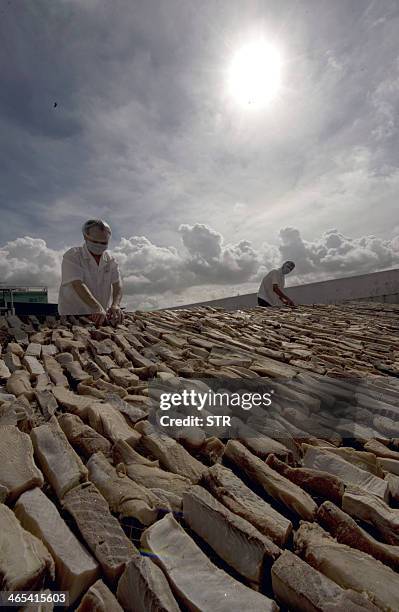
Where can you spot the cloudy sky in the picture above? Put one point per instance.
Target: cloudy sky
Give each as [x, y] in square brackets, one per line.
[203, 194]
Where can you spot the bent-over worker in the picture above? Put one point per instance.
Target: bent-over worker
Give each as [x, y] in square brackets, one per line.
[90, 281]
[271, 288]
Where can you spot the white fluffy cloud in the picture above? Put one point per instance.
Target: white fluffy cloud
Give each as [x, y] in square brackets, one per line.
[210, 260]
[334, 254]
[29, 261]
[206, 267]
[148, 268]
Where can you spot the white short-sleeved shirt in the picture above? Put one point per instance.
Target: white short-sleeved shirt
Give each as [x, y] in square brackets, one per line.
[274, 277]
[79, 264]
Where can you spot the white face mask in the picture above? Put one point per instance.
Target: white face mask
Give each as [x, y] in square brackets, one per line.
[95, 248]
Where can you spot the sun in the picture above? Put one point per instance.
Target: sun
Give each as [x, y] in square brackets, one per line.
[254, 76]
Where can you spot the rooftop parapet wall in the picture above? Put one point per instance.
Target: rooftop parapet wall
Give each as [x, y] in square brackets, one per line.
[376, 287]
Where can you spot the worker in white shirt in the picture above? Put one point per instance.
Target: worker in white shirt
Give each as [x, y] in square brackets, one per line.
[90, 281]
[271, 288]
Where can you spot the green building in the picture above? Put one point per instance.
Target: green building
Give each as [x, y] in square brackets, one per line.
[13, 295]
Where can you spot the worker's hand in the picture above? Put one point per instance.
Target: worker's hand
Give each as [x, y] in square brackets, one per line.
[115, 314]
[287, 301]
[99, 317]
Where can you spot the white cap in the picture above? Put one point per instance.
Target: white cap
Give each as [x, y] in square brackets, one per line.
[86, 227]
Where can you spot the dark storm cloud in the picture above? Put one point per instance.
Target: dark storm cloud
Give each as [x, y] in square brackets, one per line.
[92, 61]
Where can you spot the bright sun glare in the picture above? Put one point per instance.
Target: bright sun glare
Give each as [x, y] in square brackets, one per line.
[255, 74]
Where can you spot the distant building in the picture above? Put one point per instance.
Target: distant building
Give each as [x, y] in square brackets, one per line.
[12, 296]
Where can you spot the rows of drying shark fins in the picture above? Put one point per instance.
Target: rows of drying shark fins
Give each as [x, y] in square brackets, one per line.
[296, 507]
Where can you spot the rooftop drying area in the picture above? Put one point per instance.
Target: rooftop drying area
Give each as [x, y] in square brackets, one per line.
[294, 504]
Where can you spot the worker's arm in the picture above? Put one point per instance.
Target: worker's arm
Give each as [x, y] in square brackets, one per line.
[282, 296]
[99, 314]
[116, 294]
[114, 311]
